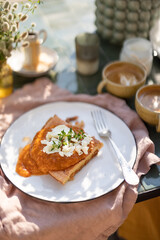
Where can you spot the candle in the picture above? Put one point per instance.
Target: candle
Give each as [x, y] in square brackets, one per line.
[87, 53]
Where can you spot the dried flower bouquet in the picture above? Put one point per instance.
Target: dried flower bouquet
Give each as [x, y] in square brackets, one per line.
[12, 14]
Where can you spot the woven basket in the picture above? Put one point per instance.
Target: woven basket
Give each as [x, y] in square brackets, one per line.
[117, 20]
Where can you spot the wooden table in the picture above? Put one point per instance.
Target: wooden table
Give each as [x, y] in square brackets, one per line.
[63, 20]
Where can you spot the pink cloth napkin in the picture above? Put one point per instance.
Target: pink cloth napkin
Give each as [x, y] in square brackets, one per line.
[22, 217]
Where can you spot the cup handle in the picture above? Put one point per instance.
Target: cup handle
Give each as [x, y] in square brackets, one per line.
[158, 125]
[101, 85]
[42, 36]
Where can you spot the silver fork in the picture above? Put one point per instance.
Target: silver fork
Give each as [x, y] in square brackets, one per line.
[103, 131]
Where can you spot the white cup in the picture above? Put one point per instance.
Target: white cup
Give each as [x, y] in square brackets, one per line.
[139, 51]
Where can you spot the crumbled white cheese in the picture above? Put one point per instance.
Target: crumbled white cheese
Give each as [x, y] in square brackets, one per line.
[52, 142]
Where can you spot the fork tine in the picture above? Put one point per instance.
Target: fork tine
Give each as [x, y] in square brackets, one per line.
[96, 120]
[103, 120]
[94, 116]
[100, 120]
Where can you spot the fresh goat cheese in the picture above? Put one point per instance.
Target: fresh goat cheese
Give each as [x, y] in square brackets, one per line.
[65, 141]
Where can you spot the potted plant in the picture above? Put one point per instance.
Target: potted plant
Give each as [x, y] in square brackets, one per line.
[12, 15]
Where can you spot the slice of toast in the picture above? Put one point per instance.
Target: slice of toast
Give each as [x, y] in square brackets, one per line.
[62, 168]
[68, 174]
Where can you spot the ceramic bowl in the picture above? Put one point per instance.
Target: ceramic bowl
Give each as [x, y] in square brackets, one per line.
[122, 78]
[147, 104]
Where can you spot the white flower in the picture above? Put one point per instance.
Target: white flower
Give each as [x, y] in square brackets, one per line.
[10, 17]
[25, 44]
[15, 6]
[4, 19]
[27, 5]
[11, 39]
[23, 18]
[6, 11]
[33, 25]
[13, 28]
[20, 15]
[5, 26]
[24, 35]
[17, 24]
[6, 5]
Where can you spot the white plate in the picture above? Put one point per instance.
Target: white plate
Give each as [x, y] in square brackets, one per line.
[48, 59]
[101, 175]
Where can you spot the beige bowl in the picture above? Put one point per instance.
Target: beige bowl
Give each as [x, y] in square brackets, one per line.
[122, 78]
[147, 104]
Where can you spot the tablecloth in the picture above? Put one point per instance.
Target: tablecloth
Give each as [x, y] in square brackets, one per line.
[23, 217]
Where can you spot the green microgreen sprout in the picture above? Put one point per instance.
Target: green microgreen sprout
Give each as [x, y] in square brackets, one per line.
[54, 145]
[63, 135]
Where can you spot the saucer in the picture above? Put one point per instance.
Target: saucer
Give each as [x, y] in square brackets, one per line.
[48, 59]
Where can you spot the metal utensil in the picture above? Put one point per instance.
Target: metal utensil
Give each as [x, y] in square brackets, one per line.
[103, 131]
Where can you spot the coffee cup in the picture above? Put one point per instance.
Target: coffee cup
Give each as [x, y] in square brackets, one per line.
[32, 52]
[122, 79]
[147, 104]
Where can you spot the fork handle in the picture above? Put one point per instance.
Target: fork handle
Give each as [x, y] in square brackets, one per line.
[128, 173]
